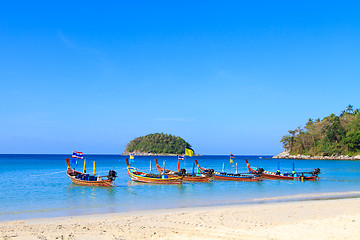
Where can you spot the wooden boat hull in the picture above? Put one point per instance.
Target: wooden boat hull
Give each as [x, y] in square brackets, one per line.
[146, 178]
[221, 177]
[236, 178]
[273, 176]
[151, 178]
[186, 178]
[101, 183]
[279, 177]
[196, 179]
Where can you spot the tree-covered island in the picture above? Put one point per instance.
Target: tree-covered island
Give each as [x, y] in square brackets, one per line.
[333, 137]
[157, 144]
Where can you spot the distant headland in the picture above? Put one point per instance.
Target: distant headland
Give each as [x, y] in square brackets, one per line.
[286, 155]
[332, 138]
[157, 144]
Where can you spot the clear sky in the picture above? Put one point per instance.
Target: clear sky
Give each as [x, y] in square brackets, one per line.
[227, 76]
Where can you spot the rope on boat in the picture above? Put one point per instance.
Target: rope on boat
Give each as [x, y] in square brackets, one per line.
[36, 175]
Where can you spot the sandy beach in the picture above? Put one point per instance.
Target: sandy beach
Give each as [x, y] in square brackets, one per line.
[321, 219]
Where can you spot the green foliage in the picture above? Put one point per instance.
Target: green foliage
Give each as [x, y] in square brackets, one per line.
[158, 143]
[329, 136]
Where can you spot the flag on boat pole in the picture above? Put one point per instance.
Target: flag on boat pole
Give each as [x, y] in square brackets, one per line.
[231, 158]
[189, 152]
[132, 157]
[75, 156]
[181, 157]
[78, 155]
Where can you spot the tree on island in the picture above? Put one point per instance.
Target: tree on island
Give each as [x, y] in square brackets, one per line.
[349, 109]
[158, 143]
[330, 136]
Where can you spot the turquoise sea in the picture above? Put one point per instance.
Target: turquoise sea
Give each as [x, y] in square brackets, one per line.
[35, 186]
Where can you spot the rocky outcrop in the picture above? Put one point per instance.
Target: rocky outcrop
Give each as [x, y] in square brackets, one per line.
[286, 155]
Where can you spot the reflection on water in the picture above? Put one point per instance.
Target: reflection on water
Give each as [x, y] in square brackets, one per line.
[37, 185]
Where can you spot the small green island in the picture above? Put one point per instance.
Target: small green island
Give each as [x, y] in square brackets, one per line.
[333, 137]
[157, 144]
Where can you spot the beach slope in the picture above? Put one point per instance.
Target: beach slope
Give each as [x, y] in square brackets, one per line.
[322, 219]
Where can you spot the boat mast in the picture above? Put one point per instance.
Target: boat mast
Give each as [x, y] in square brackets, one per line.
[164, 167]
[94, 169]
[185, 157]
[293, 169]
[84, 171]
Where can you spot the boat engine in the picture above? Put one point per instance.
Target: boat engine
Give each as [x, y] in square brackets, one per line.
[209, 172]
[316, 171]
[112, 175]
[182, 172]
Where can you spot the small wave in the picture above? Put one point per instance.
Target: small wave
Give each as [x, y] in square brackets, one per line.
[301, 197]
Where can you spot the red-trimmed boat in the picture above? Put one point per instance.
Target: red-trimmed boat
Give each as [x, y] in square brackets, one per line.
[138, 176]
[84, 179]
[182, 172]
[309, 176]
[229, 176]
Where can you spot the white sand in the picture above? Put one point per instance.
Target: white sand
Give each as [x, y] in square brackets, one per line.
[324, 219]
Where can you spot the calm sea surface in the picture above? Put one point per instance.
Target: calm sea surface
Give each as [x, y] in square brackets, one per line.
[36, 185]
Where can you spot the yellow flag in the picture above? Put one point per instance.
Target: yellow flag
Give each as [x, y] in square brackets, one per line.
[189, 152]
[231, 161]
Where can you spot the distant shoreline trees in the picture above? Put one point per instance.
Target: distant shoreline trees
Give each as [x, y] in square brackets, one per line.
[158, 143]
[330, 136]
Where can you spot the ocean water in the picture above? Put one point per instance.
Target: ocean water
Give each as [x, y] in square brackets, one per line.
[35, 186]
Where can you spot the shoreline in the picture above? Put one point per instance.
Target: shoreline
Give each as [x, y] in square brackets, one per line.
[286, 155]
[246, 202]
[318, 219]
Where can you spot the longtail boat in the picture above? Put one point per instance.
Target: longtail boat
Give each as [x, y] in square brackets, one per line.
[310, 176]
[84, 179]
[229, 176]
[138, 176]
[187, 177]
[162, 170]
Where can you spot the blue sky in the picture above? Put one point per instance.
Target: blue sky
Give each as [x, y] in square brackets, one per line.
[227, 76]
